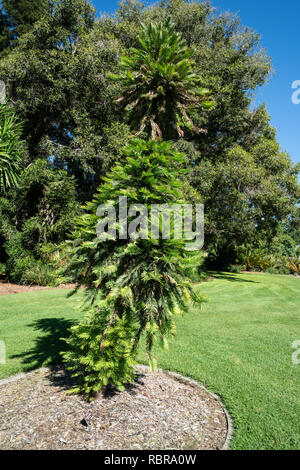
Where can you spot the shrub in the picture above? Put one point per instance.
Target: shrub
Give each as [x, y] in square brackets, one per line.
[221, 255]
[38, 273]
[2, 269]
[236, 268]
[293, 266]
[23, 268]
[277, 270]
[38, 214]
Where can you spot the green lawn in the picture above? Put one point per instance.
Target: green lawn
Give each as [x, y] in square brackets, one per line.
[32, 326]
[238, 345]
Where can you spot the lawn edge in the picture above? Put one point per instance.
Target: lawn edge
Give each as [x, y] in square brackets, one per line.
[188, 380]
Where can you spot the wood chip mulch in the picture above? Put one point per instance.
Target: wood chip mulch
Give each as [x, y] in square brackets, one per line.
[158, 412]
[7, 288]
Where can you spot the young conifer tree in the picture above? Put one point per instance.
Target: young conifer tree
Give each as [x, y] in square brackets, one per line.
[133, 285]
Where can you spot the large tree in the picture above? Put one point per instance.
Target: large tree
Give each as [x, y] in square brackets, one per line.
[36, 214]
[248, 194]
[56, 80]
[16, 18]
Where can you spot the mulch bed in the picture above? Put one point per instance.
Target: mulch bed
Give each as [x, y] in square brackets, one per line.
[8, 288]
[159, 411]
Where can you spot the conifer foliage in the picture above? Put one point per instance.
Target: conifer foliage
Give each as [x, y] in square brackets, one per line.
[161, 90]
[133, 286]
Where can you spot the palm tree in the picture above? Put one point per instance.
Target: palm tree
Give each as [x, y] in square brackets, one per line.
[161, 88]
[10, 148]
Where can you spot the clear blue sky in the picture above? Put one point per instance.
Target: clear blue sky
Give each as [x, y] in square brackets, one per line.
[279, 25]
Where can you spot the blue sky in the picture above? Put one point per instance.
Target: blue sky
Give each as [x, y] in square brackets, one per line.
[278, 24]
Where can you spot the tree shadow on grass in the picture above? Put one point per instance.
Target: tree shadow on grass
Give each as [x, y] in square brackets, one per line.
[47, 352]
[230, 277]
[48, 345]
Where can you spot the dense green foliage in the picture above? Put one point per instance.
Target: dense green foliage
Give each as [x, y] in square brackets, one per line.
[17, 17]
[37, 214]
[83, 88]
[4, 32]
[134, 285]
[10, 148]
[58, 79]
[161, 89]
[22, 14]
[248, 196]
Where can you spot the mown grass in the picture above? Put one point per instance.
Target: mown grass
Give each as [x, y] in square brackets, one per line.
[32, 326]
[239, 346]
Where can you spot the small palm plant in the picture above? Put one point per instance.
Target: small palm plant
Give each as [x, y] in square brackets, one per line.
[10, 148]
[161, 90]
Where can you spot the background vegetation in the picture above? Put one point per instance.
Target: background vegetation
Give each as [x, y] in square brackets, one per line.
[57, 62]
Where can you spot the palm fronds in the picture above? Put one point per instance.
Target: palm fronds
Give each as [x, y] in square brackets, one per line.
[10, 152]
[161, 90]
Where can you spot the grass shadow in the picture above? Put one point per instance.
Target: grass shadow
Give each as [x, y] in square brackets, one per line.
[230, 277]
[46, 352]
[48, 345]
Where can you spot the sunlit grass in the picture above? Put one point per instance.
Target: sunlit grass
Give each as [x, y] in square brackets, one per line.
[239, 346]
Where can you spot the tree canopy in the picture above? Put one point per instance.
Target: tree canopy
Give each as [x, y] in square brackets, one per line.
[58, 82]
[16, 18]
[161, 88]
